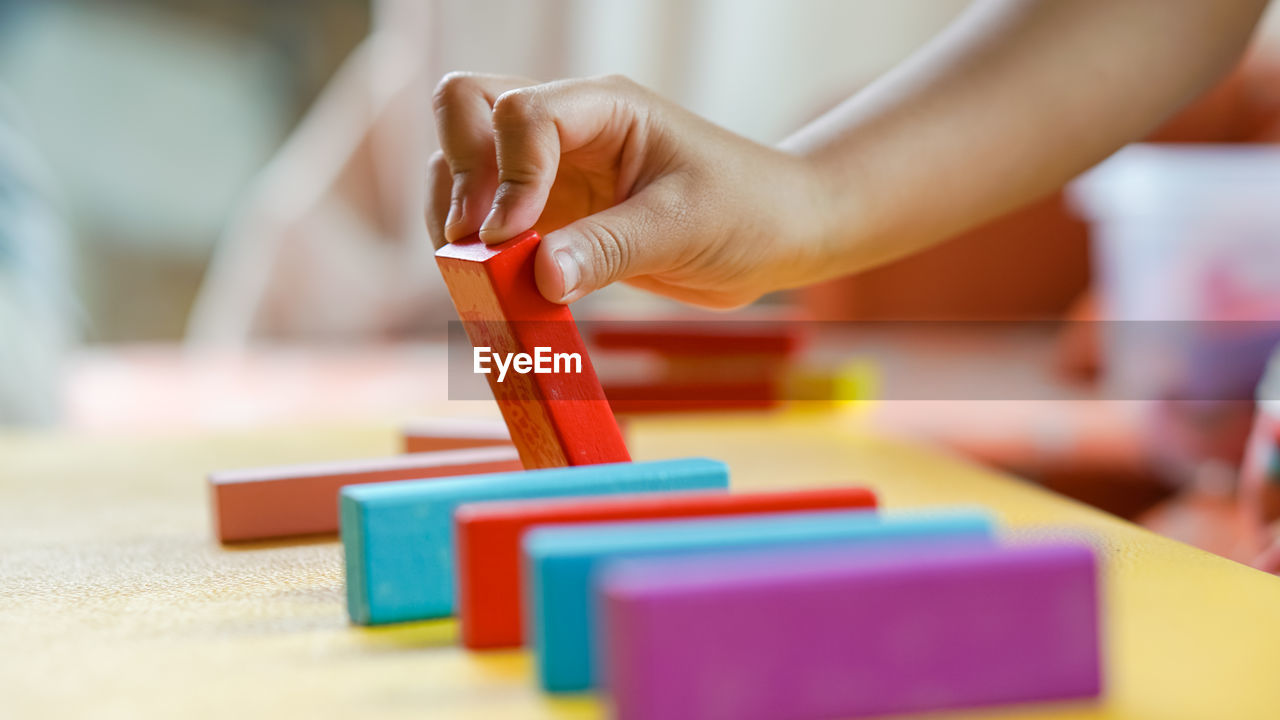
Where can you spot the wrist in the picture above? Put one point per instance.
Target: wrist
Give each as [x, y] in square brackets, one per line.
[832, 223]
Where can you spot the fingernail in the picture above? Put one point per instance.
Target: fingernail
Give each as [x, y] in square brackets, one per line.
[569, 273]
[455, 213]
[493, 221]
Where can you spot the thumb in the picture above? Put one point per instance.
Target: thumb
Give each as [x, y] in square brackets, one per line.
[637, 237]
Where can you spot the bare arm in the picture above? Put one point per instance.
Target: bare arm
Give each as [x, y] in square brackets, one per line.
[1004, 106]
[1010, 102]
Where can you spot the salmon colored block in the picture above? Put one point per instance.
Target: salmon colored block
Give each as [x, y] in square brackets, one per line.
[433, 434]
[489, 534]
[273, 502]
[555, 418]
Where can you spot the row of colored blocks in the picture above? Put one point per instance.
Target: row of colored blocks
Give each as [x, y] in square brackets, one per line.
[799, 613]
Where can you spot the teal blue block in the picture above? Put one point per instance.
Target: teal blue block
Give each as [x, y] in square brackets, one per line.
[397, 537]
[561, 563]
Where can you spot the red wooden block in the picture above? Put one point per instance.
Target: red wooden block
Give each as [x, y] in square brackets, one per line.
[488, 541]
[555, 419]
[696, 337]
[677, 397]
[264, 503]
[724, 368]
[434, 434]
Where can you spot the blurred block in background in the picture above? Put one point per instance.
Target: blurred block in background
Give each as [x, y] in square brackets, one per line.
[154, 117]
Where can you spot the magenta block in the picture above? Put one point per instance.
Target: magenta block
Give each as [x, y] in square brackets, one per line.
[824, 632]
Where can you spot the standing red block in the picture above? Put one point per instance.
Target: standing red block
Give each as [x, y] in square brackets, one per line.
[433, 434]
[556, 419]
[488, 541]
[273, 502]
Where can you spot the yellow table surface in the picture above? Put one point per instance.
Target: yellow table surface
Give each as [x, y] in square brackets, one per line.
[116, 602]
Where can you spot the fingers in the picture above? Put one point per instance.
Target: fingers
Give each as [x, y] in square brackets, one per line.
[439, 190]
[503, 140]
[463, 105]
[640, 236]
[534, 126]
[632, 183]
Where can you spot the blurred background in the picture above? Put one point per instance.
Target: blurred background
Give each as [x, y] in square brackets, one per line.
[210, 215]
[155, 117]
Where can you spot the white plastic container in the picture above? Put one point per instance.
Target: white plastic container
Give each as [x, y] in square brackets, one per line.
[1186, 243]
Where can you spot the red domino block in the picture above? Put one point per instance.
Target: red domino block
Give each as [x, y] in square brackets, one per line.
[677, 397]
[488, 541]
[724, 368]
[265, 503]
[434, 434]
[693, 337]
[555, 419]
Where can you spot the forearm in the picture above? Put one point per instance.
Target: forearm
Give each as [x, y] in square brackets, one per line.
[1009, 103]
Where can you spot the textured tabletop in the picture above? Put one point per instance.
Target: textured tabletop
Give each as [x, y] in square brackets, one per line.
[116, 602]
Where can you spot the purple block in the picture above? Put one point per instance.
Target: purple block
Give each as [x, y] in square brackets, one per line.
[821, 633]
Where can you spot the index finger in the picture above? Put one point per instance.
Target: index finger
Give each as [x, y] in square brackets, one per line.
[463, 107]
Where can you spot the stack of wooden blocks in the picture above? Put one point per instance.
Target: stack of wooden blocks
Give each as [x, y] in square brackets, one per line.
[652, 580]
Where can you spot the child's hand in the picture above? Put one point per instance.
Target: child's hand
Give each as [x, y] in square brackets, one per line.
[1000, 109]
[623, 185]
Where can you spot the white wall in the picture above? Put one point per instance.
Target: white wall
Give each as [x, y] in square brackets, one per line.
[759, 67]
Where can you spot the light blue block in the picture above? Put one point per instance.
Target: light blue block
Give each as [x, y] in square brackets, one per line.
[562, 562]
[398, 540]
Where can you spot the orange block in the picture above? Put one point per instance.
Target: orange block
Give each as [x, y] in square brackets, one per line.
[432, 434]
[488, 541]
[273, 502]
